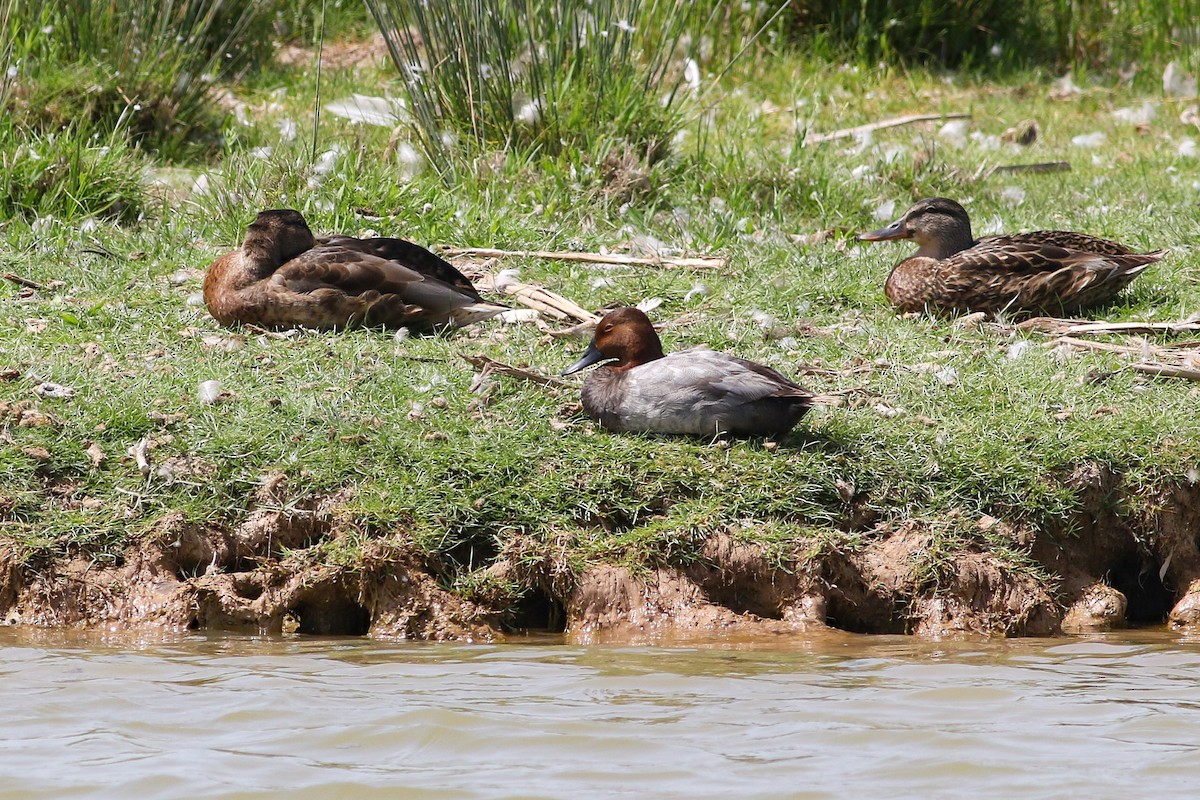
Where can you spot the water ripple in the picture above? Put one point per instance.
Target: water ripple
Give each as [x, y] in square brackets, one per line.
[246, 717]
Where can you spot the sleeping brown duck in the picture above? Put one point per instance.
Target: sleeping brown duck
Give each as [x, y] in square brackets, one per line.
[1047, 272]
[284, 276]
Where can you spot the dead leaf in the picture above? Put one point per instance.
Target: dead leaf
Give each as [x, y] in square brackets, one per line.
[32, 418]
[95, 454]
[38, 453]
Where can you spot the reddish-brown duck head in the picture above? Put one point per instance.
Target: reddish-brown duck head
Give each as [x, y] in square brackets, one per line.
[938, 225]
[625, 336]
[280, 234]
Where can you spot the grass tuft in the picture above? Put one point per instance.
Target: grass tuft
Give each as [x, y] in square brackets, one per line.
[145, 67]
[544, 75]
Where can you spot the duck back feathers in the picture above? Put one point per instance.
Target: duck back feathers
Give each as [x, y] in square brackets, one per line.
[1049, 272]
[699, 392]
[282, 276]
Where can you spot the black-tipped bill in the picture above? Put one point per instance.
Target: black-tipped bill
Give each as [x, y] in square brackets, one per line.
[592, 356]
[897, 230]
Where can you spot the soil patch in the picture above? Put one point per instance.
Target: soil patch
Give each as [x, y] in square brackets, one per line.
[370, 52]
[1107, 567]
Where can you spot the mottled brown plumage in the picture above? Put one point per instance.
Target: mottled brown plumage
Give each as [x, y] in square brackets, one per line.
[283, 276]
[1046, 272]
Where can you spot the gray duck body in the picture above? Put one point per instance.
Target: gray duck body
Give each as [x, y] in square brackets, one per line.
[698, 392]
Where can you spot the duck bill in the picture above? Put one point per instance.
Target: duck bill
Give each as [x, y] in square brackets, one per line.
[592, 356]
[897, 230]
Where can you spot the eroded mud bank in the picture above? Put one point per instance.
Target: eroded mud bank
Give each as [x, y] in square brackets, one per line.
[1128, 557]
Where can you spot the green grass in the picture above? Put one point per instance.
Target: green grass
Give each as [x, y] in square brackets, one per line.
[76, 172]
[544, 76]
[991, 34]
[144, 68]
[464, 477]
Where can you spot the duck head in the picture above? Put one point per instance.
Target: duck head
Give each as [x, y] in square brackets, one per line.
[938, 225]
[278, 235]
[626, 335]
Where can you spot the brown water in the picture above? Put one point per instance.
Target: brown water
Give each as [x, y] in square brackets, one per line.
[828, 716]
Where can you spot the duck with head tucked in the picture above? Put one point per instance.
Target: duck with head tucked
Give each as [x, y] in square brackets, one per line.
[284, 276]
[695, 391]
[1046, 272]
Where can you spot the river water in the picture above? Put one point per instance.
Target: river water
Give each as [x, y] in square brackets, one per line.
[826, 715]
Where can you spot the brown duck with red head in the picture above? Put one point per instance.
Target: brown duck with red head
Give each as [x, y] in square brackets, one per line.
[1045, 272]
[696, 391]
[283, 276]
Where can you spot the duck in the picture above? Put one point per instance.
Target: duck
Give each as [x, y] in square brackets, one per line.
[697, 391]
[1055, 273]
[283, 276]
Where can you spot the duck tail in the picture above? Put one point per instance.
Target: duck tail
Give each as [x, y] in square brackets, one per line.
[475, 312]
[833, 400]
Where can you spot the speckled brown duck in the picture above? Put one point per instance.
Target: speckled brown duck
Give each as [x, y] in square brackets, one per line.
[1046, 272]
[283, 276]
[695, 391]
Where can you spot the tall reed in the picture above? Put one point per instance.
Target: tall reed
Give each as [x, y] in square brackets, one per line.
[149, 63]
[1113, 32]
[1059, 33]
[543, 74]
[8, 53]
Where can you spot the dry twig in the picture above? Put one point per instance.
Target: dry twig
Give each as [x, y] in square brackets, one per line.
[846, 133]
[1040, 167]
[1087, 344]
[540, 298]
[1075, 327]
[17, 279]
[697, 262]
[488, 366]
[1167, 370]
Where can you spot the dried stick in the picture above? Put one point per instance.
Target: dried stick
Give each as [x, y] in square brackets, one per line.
[1075, 327]
[846, 133]
[578, 331]
[17, 279]
[542, 299]
[1044, 166]
[549, 302]
[1181, 326]
[1087, 344]
[1050, 325]
[1167, 371]
[699, 262]
[488, 366]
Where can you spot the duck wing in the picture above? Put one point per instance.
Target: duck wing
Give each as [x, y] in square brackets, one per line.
[702, 375]
[1009, 272]
[728, 375]
[1067, 240]
[358, 287]
[407, 254]
[696, 391]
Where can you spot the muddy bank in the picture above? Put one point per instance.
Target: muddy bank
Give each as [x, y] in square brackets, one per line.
[1125, 558]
